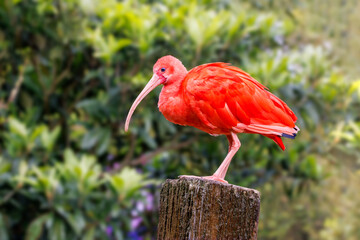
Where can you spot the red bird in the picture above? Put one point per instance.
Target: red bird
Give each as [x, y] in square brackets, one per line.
[218, 99]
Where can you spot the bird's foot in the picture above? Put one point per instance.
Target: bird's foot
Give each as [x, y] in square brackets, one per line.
[214, 178]
[189, 176]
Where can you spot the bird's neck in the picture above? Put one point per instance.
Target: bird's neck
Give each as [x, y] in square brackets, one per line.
[171, 101]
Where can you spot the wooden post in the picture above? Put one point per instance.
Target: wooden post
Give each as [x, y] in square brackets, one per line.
[195, 208]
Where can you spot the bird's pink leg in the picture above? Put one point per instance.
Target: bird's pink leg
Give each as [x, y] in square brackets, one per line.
[219, 175]
[234, 145]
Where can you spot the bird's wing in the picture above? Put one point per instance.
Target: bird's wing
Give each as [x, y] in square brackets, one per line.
[225, 98]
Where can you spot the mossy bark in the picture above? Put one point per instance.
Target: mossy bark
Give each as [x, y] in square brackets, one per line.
[195, 208]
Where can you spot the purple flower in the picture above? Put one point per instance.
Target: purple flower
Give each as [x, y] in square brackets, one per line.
[109, 231]
[110, 157]
[140, 206]
[149, 202]
[135, 222]
[115, 167]
[134, 236]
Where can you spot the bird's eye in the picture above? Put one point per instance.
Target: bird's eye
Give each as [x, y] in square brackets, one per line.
[162, 69]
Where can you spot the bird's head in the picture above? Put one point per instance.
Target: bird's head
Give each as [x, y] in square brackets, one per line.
[167, 71]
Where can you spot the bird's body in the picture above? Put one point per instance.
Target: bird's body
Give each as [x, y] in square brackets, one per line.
[221, 100]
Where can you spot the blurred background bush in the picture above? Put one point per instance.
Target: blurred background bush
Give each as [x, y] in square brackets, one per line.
[70, 69]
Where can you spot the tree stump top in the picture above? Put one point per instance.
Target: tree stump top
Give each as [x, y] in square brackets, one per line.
[195, 208]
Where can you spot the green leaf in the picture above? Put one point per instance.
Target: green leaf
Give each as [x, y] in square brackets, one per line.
[121, 43]
[70, 157]
[117, 182]
[104, 141]
[91, 138]
[23, 168]
[355, 87]
[18, 128]
[89, 234]
[35, 229]
[57, 232]
[36, 132]
[3, 232]
[76, 221]
[128, 181]
[4, 166]
[48, 138]
[22, 172]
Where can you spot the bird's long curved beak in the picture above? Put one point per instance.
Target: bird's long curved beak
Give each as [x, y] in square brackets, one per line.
[153, 83]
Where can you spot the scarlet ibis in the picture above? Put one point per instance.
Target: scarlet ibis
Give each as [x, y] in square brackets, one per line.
[219, 99]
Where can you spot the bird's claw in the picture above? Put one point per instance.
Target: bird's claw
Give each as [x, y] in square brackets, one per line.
[214, 178]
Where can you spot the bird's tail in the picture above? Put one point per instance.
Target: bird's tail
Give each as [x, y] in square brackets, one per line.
[274, 132]
[277, 139]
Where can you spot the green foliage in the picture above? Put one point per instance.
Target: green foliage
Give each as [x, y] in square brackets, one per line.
[124, 188]
[77, 181]
[69, 71]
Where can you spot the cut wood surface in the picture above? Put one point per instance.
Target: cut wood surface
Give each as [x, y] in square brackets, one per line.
[195, 208]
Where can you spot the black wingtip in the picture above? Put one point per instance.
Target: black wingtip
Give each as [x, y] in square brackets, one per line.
[289, 136]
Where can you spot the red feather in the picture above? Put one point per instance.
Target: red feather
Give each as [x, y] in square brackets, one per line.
[227, 99]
